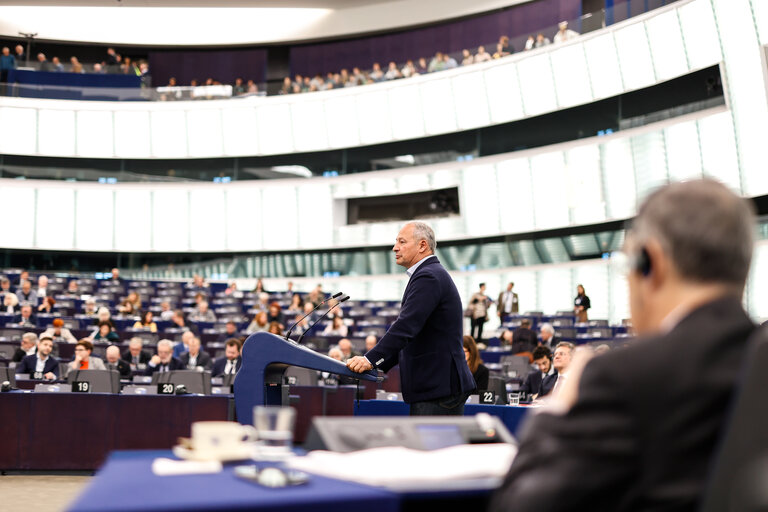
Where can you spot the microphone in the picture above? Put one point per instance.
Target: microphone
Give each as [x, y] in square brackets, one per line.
[288, 335]
[343, 299]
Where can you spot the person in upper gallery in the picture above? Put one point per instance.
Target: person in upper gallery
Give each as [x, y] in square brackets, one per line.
[392, 72]
[541, 41]
[41, 363]
[508, 302]
[57, 332]
[231, 361]
[581, 304]
[27, 347]
[43, 63]
[542, 358]
[467, 58]
[479, 371]
[7, 62]
[202, 313]
[529, 43]
[336, 327]
[506, 45]
[136, 356]
[482, 55]
[426, 338]
[146, 322]
[21, 56]
[564, 33]
[83, 359]
[548, 338]
[195, 358]
[164, 361]
[561, 362]
[618, 437]
[25, 293]
[478, 309]
[113, 362]
[524, 339]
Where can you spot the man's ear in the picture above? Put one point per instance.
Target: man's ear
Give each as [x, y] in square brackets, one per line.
[658, 263]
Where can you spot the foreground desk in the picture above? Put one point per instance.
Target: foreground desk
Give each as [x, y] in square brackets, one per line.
[511, 416]
[76, 431]
[110, 491]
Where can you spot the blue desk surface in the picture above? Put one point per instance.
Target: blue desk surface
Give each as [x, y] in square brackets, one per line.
[126, 483]
[511, 416]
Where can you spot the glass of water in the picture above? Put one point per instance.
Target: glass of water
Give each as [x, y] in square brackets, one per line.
[274, 431]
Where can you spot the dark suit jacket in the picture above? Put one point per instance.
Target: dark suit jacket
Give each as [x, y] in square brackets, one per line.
[552, 343]
[29, 363]
[500, 303]
[203, 360]
[547, 384]
[175, 364]
[144, 357]
[481, 377]
[634, 441]
[523, 340]
[122, 367]
[221, 364]
[19, 355]
[426, 338]
[532, 384]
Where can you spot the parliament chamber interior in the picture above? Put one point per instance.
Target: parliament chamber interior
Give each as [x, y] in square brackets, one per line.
[200, 204]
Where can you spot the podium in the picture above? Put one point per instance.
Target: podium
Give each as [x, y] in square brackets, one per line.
[265, 359]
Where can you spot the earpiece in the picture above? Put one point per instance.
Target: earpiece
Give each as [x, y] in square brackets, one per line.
[644, 263]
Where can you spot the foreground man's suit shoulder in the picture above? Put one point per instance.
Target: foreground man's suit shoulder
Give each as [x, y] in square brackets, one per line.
[645, 425]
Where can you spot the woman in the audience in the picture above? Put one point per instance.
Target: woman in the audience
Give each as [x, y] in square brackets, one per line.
[581, 304]
[46, 306]
[58, 332]
[131, 305]
[506, 337]
[146, 322]
[479, 371]
[274, 314]
[275, 328]
[259, 323]
[106, 333]
[297, 305]
[10, 303]
[336, 328]
[83, 359]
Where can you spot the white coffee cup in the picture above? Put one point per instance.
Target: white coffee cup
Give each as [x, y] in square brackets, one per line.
[222, 439]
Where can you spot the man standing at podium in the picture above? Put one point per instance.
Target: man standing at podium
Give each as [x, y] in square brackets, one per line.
[426, 338]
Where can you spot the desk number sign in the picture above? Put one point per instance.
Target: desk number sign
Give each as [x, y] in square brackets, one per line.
[81, 386]
[166, 388]
[488, 397]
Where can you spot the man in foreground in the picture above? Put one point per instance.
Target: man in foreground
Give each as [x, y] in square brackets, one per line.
[637, 429]
[426, 338]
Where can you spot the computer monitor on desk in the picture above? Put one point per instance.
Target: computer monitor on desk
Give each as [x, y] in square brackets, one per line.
[101, 381]
[193, 380]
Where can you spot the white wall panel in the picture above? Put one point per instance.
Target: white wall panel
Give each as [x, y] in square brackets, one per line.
[18, 131]
[315, 215]
[479, 203]
[207, 219]
[239, 130]
[279, 209]
[634, 56]
[133, 219]
[56, 132]
[471, 107]
[515, 195]
[372, 115]
[571, 75]
[95, 136]
[405, 112]
[537, 85]
[603, 62]
[308, 130]
[275, 128]
[21, 232]
[244, 219]
[132, 134]
[55, 220]
[341, 121]
[683, 153]
[698, 26]
[169, 133]
[204, 131]
[502, 89]
[94, 218]
[439, 108]
[550, 190]
[667, 47]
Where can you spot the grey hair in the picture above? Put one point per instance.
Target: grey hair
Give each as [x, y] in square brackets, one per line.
[30, 336]
[422, 231]
[136, 341]
[548, 327]
[704, 228]
[165, 343]
[566, 344]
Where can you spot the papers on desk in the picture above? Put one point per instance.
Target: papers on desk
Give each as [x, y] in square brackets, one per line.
[479, 465]
[169, 467]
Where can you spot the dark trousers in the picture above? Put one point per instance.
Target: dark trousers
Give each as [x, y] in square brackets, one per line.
[477, 323]
[447, 406]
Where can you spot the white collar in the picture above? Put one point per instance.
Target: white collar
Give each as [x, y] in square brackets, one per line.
[416, 265]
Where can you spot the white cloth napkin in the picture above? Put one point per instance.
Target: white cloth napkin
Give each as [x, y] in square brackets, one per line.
[168, 467]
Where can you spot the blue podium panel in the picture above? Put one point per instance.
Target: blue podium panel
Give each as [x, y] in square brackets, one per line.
[511, 416]
[126, 483]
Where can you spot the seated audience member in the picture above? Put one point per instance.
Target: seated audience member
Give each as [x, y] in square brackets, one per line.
[183, 346]
[542, 358]
[449, 62]
[541, 41]
[392, 72]
[73, 289]
[263, 303]
[106, 334]
[58, 333]
[166, 313]
[115, 278]
[42, 287]
[548, 338]
[198, 285]
[409, 69]
[89, 308]
[524, 339]
[564, 33]
[346, 349]
[482, 55]
[275, 328]
[377, 75]
[336, 328]
[195, 358]
[296, 306]
[115, 363]
[232, 291]
[27, 347]
[230, 331]
[479, 371]
[301, 324]
[370, 342]
[46, 305]
[102, 315]
[500, 52]
[202, 313]
[25, 293]
[274, 314]
[83, 359]
[561, 360]
[179, 322]
[164, 361]
[131, 305]
[259, 287]
[422, 68]
[5, 287]
[506, 45]
[315, 297]
[231, 361]
[136, 355]
[146, 322]
[467, 58]
[27, 319]
[259, 323]
[506, 338]
[10, 304]
[437, 63]
[529, 43]
[333, 379]
[41, 363]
